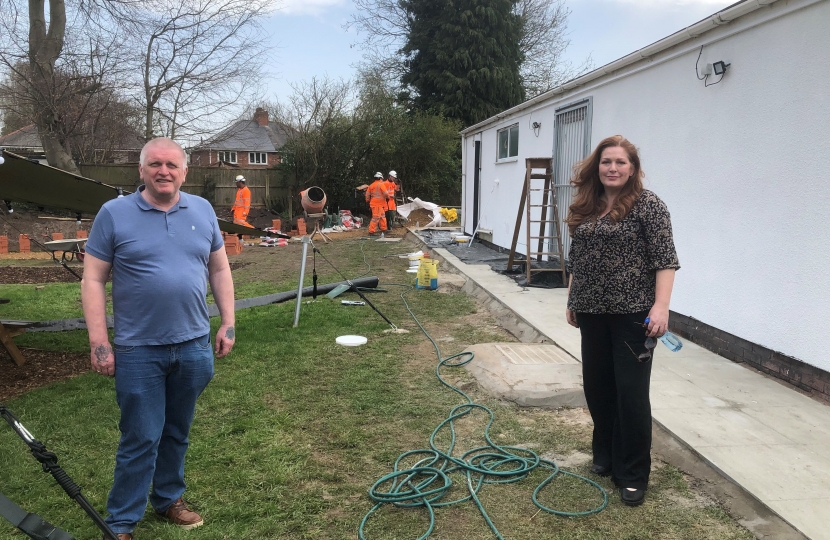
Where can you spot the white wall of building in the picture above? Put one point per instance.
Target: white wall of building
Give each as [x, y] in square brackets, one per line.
[743, 165]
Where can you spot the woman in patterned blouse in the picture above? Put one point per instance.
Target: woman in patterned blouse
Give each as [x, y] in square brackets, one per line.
[621, 264]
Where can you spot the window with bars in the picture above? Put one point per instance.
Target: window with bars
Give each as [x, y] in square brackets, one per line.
[508, 143]
[227, 157]
[257, 158]
[571, 144]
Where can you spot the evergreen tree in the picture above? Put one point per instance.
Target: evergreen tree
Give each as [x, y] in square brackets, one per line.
[463, 57]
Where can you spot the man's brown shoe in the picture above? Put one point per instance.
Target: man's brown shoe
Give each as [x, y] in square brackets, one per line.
[180, 515]
[122, 536]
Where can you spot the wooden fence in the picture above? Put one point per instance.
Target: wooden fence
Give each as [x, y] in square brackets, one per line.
[216, 185]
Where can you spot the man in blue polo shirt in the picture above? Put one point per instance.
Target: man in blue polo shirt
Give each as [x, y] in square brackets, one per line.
[163, 247]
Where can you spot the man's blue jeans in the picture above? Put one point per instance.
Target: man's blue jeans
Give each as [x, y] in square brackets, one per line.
[156, 387]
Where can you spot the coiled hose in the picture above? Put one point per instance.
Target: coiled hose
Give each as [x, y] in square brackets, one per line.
[425, 483]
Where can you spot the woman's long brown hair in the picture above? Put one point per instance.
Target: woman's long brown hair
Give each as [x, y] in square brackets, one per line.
[587, 204]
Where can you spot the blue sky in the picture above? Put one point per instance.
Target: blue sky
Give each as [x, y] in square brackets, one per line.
[310, 39]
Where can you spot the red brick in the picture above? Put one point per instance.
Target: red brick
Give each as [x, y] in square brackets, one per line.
[81, 234]
[57, 236]
[25, 244]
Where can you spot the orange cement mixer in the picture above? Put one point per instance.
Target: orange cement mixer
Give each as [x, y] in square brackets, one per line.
[313, 200]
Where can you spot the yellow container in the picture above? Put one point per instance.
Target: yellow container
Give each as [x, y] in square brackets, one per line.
[427, 277]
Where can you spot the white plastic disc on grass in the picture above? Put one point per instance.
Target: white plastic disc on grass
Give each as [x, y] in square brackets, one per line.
[351, 341]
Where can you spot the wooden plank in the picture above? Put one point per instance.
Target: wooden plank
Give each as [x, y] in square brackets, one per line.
[9, 345]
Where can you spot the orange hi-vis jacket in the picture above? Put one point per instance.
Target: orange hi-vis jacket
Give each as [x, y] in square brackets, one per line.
[242, 205]
[377, 194]
[391, 188]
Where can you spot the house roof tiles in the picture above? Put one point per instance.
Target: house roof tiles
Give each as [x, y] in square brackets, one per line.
[249, 136]
[25, 137]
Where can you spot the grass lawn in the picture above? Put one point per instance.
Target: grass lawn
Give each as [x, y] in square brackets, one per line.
[294, 429]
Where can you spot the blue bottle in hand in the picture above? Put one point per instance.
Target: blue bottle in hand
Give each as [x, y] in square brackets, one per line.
[669, 340]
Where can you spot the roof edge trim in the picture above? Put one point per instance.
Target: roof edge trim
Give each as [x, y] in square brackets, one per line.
[722, 17]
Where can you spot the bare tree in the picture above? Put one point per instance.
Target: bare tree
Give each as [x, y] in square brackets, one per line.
[199, 60]
[54, 78]
[320, 112]
[384, 25]
[543, 43]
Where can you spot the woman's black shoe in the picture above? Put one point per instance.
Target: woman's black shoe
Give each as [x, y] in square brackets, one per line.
[632, 498]
[599, 470]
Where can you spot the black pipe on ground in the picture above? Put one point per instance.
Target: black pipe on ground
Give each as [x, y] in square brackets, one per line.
[277, 298]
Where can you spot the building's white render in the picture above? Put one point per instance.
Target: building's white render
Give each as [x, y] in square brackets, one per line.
[743, 165]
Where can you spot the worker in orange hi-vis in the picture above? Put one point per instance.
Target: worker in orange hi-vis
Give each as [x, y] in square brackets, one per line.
[392, 187]
[242, 204]
[376, 196]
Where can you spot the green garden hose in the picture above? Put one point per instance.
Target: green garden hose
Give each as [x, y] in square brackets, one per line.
[424, 484]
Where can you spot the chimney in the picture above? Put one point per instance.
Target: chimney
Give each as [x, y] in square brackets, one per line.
[261, 116]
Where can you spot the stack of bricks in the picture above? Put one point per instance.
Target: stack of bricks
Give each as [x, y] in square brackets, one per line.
[25, 244]
[58, 236]
[276, 224]
[232, 244]
[81, 234]
[301, 230]
[4, 244]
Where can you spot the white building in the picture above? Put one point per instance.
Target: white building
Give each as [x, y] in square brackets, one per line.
[741, 159]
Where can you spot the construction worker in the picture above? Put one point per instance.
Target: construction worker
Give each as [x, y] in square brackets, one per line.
[377, 197]
[392, 187]
[242, 204]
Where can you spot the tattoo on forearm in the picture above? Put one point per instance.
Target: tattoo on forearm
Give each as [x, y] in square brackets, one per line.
[102, 352]
[230, 333]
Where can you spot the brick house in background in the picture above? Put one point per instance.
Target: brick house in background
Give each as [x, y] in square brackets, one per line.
[252, 144]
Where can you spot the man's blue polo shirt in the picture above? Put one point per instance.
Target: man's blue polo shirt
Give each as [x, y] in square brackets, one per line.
[159, 266]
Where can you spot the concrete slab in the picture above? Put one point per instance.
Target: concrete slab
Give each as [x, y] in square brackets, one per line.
[811, 514]
[768, 439]
[529, 374]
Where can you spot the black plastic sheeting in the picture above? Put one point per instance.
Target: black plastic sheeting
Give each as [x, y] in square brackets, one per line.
[277, 298]
[480, 253]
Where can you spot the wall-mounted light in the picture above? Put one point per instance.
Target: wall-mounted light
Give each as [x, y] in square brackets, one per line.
[536, 125]
[9, 206]
[719, 67]
[2, 160]
[78, 219]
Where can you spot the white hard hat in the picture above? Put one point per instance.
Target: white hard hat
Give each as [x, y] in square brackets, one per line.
[393, 174]
[378, 174]
[240, 178]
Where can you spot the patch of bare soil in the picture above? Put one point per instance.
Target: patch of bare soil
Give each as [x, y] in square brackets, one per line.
[419, 217]
[41, 368]
[34, 274]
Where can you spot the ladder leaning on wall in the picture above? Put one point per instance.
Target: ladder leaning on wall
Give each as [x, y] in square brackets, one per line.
[549, 234]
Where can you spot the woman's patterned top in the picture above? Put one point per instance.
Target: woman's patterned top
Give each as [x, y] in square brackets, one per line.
[614, 264]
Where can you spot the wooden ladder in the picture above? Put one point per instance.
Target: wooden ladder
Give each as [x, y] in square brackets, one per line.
[549, 214]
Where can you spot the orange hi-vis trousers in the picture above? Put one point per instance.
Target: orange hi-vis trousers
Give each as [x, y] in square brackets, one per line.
[378, 217]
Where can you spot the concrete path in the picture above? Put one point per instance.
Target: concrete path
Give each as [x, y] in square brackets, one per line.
[768, 439]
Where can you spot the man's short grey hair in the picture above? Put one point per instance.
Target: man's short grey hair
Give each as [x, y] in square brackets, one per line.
[161, 141]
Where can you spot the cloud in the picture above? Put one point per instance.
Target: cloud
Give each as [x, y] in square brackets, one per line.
[306, 7]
